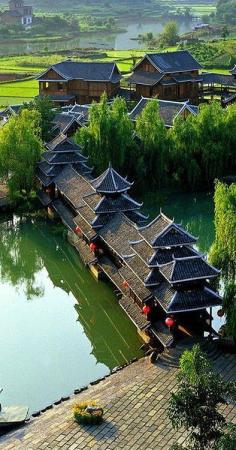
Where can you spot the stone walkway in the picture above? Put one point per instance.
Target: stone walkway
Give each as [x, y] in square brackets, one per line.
[135, 400]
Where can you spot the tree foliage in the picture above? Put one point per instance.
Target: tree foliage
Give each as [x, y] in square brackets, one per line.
[192, 154]
[20, 150]
[109, 134]
[169, 35]
[223, 251]
[152, 133]
[229, 305]
[203, 146]
[44, 106]
[195, 404]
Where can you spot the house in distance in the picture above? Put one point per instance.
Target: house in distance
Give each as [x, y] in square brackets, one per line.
[17, 14]
[79, 82]
[168, 76]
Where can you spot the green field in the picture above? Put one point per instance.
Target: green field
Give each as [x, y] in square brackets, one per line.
[216, 57]
[17, 92]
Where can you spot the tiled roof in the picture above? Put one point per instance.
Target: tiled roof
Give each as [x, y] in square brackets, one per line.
[64, 121]
[174, 301]
[92, 200]
[91, 71]
[63, 158]
[143, 250]
[137, 217]
[134, 312]
[137, 266]
[73, 186]
[188, 78]
[170, 62]
[153, 278]
[164, 256]
[169, 110]
[44, 198]
[145, 78]
[110, 182]
[65, 213]
[218, 78]
[233, 71]
[118, 233]
[45, 180]
[122, 203]
[187, 269]
[88, 231]
[61, 145]
[154, 228]
[162, 232]
[162, 333]
[134, 283]
[59, 139]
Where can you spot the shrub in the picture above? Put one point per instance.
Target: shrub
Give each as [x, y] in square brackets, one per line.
[83, 415]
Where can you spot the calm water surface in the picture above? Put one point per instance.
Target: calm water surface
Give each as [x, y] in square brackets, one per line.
[124, 40]
[59, 327]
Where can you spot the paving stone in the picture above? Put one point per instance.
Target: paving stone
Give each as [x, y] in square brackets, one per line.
[135, 401]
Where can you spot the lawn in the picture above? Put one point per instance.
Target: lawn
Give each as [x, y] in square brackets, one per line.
[17, 92]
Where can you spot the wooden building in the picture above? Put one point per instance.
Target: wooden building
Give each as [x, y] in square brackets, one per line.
[163, 283]
[169, 110]
[168, 76]
[68, 81]
[17, 14]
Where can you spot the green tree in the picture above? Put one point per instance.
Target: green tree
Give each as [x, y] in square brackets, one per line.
[44, 106]
[108, 135]
[169, 35]
[225, 32]
[152, 133]
[185, 153]
[195, 404]
[229, 306]
[20, 150]
[223, 250]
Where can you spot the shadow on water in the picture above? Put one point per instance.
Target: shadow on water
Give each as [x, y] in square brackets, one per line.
[60, 328]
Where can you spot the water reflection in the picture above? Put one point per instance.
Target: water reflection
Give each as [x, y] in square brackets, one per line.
[19, 261]
[70, 333]
[194, 211]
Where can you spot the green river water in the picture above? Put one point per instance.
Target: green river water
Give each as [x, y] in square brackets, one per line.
[59, 328]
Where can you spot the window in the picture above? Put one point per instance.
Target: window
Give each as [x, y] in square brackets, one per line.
[60, 87]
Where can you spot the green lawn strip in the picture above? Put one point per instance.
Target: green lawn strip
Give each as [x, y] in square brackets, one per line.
[24, 89]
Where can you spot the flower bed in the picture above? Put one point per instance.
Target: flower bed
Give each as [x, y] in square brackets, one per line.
[87, 413]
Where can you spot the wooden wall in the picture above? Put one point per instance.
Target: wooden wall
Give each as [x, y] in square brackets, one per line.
[84, 91]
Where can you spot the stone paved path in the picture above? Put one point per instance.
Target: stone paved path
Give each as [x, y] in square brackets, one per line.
[135, 401]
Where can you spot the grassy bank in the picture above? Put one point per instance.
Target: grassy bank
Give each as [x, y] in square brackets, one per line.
[216, 56]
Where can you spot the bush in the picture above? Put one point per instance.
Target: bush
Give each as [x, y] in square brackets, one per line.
[87, 413]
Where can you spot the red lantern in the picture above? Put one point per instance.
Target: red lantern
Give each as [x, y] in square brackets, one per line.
[169, 322]
[78, 230]
[146, 309]
[125, 284]
[93, 247]
[220, 312]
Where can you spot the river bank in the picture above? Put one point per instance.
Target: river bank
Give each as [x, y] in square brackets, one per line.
[135, 401]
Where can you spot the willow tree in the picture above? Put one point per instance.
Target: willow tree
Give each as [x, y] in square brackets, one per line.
[108, 135]
[215, 149]
[20, 150]
[185, 153]
[152, 133]
[223, 251]
[44, 106]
